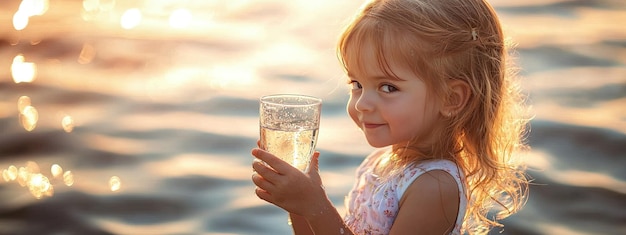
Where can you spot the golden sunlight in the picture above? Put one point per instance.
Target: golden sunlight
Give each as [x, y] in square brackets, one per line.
[131, 18]
[23, 71]
[180, 18]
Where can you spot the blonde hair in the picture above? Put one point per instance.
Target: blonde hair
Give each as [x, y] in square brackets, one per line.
[441, 40]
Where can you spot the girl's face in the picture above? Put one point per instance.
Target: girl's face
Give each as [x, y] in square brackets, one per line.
[389, 110]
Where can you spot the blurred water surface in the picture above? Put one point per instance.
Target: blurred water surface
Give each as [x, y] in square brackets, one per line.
[137, 117]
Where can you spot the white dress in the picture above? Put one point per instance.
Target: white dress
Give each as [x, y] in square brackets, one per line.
[372, 204]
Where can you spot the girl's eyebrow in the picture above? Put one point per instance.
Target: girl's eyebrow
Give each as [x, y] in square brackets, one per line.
[379, 77]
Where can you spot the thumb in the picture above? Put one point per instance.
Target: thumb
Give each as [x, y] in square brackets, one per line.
[314, 167]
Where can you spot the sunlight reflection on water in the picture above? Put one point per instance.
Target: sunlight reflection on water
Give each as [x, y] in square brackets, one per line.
[41, 184]
[160, 98]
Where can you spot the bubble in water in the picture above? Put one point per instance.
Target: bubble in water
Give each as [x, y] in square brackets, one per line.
[68, 178]
[115, 183]
[56, 170]
[68, 123]
[29, 118]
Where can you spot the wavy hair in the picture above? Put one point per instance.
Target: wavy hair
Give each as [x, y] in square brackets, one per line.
[441, 40]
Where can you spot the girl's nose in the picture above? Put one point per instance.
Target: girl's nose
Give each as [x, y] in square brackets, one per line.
[365, 102]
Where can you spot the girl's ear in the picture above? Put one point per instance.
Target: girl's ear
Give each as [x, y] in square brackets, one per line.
[457, 97]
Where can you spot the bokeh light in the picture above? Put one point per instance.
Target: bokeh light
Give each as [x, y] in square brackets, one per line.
[39, 185]
[9, 174]
[29, 118]
[23, 71]
[56, 170]
[91, 5]
[27, 9]
[68, 178]
[33, 7]
[20, 20]
[106, 5]
[67, 123]
[180, 18]
[22, 103]
[115, 183]
[131, 18]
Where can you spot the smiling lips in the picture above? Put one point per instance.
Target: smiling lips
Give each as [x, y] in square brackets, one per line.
[371, 125]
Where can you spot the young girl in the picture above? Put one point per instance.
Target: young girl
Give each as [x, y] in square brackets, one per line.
[431, 91]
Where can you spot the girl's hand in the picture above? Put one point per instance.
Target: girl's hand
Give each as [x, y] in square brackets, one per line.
[287, 187]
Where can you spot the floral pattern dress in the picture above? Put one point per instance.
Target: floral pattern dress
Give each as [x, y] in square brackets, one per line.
[372, 204]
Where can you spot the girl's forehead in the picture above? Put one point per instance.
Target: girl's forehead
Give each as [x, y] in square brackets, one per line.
[371, 59]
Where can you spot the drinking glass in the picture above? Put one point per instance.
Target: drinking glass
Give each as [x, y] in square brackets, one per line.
[289, 127]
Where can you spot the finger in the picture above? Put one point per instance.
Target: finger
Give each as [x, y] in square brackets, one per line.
[258, 143]
[262, 194]
[274, 162]
[261, 182]
[314, 172]
[314, 166]
[264, 171]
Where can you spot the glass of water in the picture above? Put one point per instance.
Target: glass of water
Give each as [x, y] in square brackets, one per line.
[289, 127]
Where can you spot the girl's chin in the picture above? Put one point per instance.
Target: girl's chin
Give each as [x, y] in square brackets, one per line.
[377, 144]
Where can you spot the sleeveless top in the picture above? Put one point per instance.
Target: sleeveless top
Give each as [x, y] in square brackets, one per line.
[372, 204]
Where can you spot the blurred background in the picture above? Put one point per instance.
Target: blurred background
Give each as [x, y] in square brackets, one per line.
[137, 117]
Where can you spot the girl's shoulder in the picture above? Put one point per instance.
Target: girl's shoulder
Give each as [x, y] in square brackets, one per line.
[436, 164]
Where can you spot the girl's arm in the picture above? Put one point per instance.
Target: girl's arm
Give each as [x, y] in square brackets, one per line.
[429, 205]
[300, 225]
[328, 221]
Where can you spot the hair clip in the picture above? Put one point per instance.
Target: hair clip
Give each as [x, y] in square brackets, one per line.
[474, 34]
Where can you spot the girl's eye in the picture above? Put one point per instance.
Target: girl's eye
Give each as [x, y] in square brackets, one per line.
[355, 85]
[388, 88]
